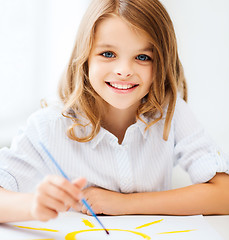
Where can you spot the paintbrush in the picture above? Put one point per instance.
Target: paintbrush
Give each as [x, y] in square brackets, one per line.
[65, 176]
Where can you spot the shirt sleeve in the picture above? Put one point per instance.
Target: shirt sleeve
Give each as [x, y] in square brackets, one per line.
[22, 165]
[195, 151]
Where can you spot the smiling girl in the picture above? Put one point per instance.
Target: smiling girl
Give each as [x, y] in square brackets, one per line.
[123, 125]
[120, 72]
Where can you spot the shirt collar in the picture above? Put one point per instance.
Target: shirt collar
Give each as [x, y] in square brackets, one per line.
[142, 126]
[98, 138]
[138, 125]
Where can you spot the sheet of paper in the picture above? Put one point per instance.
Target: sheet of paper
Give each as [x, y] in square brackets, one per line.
[76, 226]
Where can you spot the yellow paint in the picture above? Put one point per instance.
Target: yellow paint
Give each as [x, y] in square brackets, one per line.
[148, 224]
[178, 231]
[72, 235]
[87, 223]
[40, 229]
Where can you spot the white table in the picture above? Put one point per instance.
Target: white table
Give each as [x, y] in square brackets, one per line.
[120, 226]
[220, 224]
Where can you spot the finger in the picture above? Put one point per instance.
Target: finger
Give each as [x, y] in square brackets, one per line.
[83, 209]
[50, 187]
[80, 182]
[78, 207]
[42, 213]
[66, 186]
[89, 213]
[46, 214]
[59, 195]
[51, 203]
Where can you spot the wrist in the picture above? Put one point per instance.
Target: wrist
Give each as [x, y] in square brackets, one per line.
[15, 206]
[29, 206]
[131, 203]
[138, 203]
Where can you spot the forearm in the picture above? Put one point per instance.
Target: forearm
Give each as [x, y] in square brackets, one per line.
[184, 201]
[14, 206]
[207, 198]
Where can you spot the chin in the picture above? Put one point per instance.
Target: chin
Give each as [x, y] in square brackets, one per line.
[121, 106]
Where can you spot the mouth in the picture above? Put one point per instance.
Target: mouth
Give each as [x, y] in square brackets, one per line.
[121, 86]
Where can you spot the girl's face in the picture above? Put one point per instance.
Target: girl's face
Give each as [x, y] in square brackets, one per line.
[120, 63]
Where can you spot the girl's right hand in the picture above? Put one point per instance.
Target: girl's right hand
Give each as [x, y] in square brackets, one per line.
[55, 194]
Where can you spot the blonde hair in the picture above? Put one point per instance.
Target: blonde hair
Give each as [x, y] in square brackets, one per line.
[75, 90]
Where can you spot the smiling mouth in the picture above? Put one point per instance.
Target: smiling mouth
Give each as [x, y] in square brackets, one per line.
[121, 86]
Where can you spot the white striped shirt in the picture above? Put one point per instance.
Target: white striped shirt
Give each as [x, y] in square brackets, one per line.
[142, 163]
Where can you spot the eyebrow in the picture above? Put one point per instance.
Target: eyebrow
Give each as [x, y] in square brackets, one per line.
[104, 46]
[146, 49]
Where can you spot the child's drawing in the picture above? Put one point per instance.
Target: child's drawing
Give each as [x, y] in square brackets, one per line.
[74, 226]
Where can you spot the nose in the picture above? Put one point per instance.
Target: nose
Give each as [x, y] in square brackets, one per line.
[124, 69]
[123, 74]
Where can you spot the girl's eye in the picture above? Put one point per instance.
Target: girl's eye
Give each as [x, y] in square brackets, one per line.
[108, 54]
[143, 57]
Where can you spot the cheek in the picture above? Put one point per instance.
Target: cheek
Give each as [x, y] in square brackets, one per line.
[92, 69]
[147, 77]
[95, 70]
[96, 76]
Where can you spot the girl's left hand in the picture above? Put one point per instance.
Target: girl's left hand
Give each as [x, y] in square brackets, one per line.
[104, 201]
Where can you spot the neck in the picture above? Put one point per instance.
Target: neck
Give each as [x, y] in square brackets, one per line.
[117, 121]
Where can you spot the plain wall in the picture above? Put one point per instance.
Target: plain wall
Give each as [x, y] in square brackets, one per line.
[202, 28]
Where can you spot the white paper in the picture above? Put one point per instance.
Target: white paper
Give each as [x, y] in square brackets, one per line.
[76, 226]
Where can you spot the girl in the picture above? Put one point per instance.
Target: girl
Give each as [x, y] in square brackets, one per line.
[123, 125]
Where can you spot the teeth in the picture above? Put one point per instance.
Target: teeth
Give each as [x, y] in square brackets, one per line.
[119, 86]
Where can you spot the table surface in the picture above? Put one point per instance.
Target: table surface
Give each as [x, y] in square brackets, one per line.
[220, 223]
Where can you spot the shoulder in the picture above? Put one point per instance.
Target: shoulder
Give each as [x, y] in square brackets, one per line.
[185, 122]
[50, 113]
[183, 111]
[46, 122]
[47, 115]
[181, 104]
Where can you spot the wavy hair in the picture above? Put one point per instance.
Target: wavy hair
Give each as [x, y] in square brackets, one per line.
[75, 90]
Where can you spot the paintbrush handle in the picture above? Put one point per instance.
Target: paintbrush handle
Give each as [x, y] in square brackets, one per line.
[65, 176]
